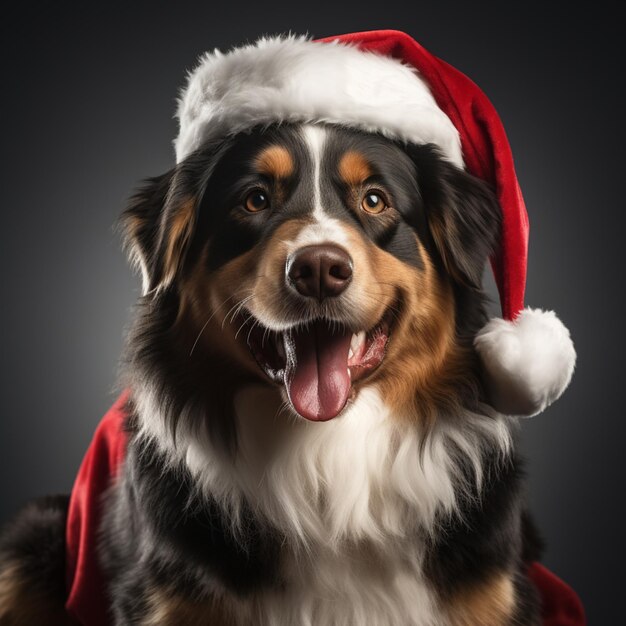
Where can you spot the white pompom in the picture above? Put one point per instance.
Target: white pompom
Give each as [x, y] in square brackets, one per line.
[528, 362]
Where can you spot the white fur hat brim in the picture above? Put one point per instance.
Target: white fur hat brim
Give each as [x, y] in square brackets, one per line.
[291, 78]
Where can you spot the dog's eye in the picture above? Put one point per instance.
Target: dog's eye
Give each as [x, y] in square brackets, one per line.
[374, 202]
[257, 201]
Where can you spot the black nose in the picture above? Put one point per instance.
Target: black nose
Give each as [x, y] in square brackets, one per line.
[320, 271]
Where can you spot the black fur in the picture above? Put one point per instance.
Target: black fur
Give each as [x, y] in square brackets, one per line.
[188, 534]
[488, 537]
[35, 541]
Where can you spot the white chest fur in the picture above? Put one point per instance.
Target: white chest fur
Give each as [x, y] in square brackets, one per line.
[352, 497]
[365, 586]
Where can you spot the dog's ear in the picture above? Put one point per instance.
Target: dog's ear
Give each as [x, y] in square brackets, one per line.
[157, 226]
[160, 219]
[463, 215]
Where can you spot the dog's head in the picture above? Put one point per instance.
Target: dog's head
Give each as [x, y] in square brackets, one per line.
[317, 259]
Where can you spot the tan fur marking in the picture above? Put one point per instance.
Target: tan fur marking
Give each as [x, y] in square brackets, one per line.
[376, 292]
[424, 367]
[133, 224]
[270, 265]
[217, 296]
[275, 161]
[206, 322]
[354, 168]
[491, 604]
[441, 233]
[168, 609]
[178, 233]
[259, 272]
[20, 604]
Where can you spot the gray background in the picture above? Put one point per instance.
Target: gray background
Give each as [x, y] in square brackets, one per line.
[88, 97]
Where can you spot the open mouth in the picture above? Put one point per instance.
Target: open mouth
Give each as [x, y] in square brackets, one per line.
[317, 362]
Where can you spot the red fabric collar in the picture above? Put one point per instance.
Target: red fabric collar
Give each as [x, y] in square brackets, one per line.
[86, 601]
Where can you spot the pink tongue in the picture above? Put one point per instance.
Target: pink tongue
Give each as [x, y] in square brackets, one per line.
[316, 375]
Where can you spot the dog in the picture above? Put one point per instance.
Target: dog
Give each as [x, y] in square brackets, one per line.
[311, 437]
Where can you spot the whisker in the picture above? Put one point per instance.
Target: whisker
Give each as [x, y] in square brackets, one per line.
[236, 308]
[208, 320]
[250, 331]
[265, 333]
[248, 318]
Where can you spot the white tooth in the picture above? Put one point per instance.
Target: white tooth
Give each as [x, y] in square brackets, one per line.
[350, 353]
[357, 341]
[354, 343]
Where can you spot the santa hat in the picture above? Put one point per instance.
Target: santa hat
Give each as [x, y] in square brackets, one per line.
[384, 81]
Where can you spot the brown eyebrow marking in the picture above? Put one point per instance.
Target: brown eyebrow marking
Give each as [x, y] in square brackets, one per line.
[275, 161]
[354, 168]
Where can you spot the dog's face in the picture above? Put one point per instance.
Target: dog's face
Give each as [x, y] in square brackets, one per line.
[320, 259]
